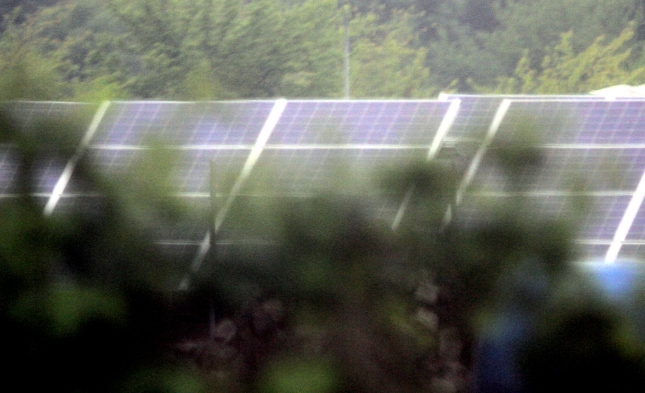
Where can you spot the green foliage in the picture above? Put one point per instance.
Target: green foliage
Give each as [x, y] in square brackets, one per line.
[536, 25]
[219, 49]
[201, 83]
[481, 57]
[98, 89]
[24, 72]
[386, 59]
[222, 49]
[21, 8]
[564, 71]
[315, 40]
[291, 376]
[176, 37]
[87, 284]
[77, 46]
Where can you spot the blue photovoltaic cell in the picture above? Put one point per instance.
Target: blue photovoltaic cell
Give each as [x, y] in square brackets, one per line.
[114, 161]
[580, 122]
[614, 122]
[47, 173]
[605, 169]
[605, 139]
[172, 123]
[359, 122]
[476, 112]
[193, 172]
[229, 123]
[136, 123]
[474, 117]
[599, 222]
[309, 171]
[603, 217]
[288, 167]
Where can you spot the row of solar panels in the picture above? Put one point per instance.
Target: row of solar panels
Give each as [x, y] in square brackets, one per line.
[308, 143]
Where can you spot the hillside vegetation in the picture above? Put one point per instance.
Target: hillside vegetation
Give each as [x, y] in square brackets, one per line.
[222, 49]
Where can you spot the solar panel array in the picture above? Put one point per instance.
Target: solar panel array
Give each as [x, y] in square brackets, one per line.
[592, 148]
[50, 163]
[254, 151]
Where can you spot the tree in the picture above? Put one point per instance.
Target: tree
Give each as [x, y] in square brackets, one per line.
[387, 59]
[83, 49]
[83, 296]
[22, 9]
[474, 57]
[24, 72]
[315, 40]
[243, 44]
[563, 71]
[536, 25]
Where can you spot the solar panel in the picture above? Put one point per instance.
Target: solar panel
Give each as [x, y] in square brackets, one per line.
[200, 137]
[585, 122]
[34, 126]
[600, 221]
[199, 133]
[301, 171]
[265, 151]
[637, 230]
[321, 145]
[600, 141]
[29, 114]
[632, 251]
[193, 173]
[477, 111]
[566, 168]
[182, 123]
[596, 221]
[358, 122]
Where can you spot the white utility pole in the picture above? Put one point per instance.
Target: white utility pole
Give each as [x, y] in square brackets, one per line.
[346, 14]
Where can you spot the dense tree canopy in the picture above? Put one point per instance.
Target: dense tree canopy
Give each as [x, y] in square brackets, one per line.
[562, 69]
[219, 49]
